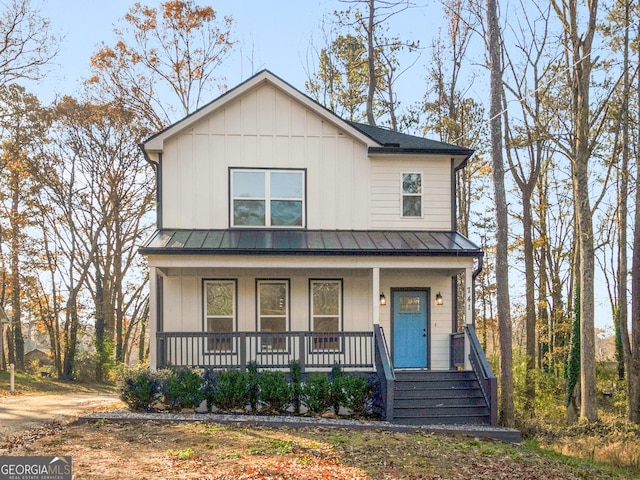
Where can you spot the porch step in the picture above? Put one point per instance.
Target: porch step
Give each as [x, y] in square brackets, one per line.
[443, 397]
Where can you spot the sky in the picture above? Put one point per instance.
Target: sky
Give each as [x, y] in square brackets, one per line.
[272, 34]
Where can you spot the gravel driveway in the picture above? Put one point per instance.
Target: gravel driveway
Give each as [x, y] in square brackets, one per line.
[23, 412]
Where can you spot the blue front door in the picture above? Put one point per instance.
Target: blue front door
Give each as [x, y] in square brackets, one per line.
[410, 329]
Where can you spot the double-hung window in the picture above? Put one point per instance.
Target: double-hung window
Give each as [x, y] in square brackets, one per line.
[326, 313]
[411, 195]
[273, 313]
[220, 314]
[267, 198]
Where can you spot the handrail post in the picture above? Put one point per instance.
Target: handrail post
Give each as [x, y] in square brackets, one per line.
[243, 351]
[302, 350]
[161, 353]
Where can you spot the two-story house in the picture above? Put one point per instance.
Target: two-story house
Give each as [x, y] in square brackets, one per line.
[287, 233]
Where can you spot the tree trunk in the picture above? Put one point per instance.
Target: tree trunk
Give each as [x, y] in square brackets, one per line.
[371, 62]
[16, 305]
[506, 406]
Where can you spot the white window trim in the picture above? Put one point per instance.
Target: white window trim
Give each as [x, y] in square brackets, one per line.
[403, 195]
[267, 197]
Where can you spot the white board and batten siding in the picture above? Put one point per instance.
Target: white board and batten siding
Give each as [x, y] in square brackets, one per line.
[183, 302]
[440, 315]
[265, 128]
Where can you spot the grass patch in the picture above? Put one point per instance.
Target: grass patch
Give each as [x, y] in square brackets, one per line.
[29, 384]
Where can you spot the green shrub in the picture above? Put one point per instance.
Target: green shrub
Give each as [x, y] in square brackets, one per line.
[316, 392]
[253, 386]
[138, 388]
[296, 385]
[232, 390]
[274, 391]
[182, 388]
[356, 391]
[336, 394]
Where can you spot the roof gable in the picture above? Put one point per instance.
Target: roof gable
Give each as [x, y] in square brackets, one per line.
[156, 142]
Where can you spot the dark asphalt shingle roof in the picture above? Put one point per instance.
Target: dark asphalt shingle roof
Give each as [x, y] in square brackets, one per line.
[396, 142]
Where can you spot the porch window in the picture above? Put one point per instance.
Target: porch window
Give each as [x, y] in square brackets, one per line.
[326, 313]
[412, 195]
[220, 314]
[273, 313]
[267, 198]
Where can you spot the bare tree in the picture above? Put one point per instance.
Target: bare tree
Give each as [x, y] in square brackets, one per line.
[506, 407]
[27, 44]
[175, 49]
[580, 64]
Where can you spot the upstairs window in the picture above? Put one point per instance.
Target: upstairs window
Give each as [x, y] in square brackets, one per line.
[267, 198]
[411, 195]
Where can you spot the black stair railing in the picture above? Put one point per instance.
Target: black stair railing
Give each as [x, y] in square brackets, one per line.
[488, 381]
[384, 370]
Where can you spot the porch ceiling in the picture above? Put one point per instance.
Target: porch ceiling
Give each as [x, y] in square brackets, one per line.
[309, 242]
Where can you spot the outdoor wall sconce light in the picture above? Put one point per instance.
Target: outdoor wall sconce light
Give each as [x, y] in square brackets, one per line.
[383, 300]
[439, 299]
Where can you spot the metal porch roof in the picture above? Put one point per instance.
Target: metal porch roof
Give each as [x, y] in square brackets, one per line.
[309, 242]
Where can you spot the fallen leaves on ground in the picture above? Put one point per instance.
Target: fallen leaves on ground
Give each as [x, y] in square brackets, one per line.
[150, 450]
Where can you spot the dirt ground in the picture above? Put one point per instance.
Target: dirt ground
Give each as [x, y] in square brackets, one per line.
[20, 413]
[43, 425]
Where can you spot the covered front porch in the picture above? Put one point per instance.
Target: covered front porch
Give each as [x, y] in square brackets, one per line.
[405, 307]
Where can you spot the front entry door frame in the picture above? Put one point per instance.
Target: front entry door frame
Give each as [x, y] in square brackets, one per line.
[427, 337]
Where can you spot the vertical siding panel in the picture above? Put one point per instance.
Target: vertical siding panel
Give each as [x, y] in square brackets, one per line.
[344, 183]
[265, 157]
[186, 174]
[170, 186]
[233, 118]
[249, 113]
[219, 182]
[172, 304]
[283, 153]
[328, 199]
[266, 105]
[298, 120]
[299, 304]
[361, 318]
[203, 164]
[191, 305]
[312, 154]
[246, 304]
[282, 120]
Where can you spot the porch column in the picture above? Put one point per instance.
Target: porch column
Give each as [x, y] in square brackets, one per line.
[375, 293]
[468, 312]
[468, 296]
[153, 315]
